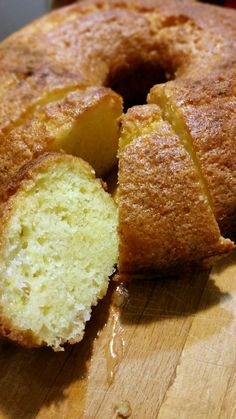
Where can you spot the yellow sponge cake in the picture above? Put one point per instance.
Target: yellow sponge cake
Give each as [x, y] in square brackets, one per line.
[58, 247]
[84, 123]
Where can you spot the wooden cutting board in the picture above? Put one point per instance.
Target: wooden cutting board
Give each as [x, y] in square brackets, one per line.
[173, 345]
[175, 342]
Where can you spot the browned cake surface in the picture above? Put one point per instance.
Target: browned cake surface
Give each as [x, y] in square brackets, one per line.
[165, 218]
[89, 42]
[206, 110]
[52, 126]
[130, 46]
[96, 42]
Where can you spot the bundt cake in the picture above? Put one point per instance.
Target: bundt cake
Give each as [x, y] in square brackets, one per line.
[58, 247]
[177, 180]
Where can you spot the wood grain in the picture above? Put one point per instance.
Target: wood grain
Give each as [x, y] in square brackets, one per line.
[178, 360]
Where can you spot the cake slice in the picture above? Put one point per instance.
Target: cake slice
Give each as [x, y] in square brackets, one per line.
[204, 114]
[84, 123]
[58, 248]
[165, 218]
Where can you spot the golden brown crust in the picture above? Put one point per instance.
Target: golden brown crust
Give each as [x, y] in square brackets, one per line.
[165, 219]
[208, 109]
[36, 133]
[87, 43]
[91, 42]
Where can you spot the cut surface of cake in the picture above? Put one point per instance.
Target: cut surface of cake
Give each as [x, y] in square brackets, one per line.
[177, 168]
[84, 123]
[58, 248]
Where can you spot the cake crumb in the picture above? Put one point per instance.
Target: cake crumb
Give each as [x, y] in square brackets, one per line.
[123, 409]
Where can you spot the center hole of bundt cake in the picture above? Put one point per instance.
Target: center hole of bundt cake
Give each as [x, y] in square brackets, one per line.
[134, 82]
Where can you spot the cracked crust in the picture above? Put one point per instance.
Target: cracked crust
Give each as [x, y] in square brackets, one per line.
[40, 131]
[89, 43]
[165, 220]
[208, 112]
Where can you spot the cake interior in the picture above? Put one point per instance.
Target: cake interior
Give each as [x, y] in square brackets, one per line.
[93, 136]
[60, 248]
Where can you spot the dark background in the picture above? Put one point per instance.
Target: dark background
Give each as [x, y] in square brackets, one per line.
[16, 13]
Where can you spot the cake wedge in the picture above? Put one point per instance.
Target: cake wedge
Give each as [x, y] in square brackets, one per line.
[165, 218]
[58, 248]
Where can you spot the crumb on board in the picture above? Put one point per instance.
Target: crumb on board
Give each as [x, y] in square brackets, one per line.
[123, 409]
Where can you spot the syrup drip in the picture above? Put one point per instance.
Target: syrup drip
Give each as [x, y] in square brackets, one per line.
[116, 344]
